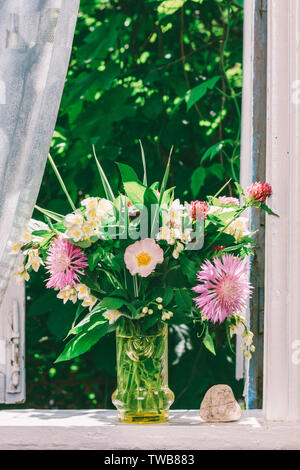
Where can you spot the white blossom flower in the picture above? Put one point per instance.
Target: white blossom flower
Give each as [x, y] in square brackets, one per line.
[68, 293]
[185, 236]
[27, 238]
[168, 234]
[75, 233]
[112, 315]
[248, 338]
[238, 228]
[175, 213]
[89, 301]
[76, 218]
[97, 209]
[167, 315]
[88, 230]
[14, 247]
[34, 260]
[105, 209]
[21, 274]
[233, 330]
[90, 203]
[82, 291]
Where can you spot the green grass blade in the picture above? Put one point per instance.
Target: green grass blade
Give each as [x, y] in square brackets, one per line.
[166, 176]
[144, 164]
[108, 191]
[223, 187]
[50, 214]
[61, 181]
[162, 190]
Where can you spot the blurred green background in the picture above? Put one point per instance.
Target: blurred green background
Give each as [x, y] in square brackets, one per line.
[168, 73]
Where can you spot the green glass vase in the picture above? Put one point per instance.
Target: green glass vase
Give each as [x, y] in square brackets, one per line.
[142, 394]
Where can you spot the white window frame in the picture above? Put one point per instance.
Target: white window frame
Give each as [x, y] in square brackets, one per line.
[281, 400]
[252, 168]
[282, 315]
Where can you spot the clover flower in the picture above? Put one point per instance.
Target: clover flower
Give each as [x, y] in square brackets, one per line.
[259, 191]
[198, 210]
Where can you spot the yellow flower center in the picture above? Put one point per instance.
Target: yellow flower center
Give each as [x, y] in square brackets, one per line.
[92, 213]
[143, 259]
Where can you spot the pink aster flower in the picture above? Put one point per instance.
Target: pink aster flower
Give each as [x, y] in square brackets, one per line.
[223, 287]
[143, 256]
[198, 210]
[229, 200]
[64, 263]
[259, 191]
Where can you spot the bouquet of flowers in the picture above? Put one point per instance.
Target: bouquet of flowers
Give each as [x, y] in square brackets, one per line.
[138, 261]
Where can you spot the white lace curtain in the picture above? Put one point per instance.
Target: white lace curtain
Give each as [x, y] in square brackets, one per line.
[35, 45]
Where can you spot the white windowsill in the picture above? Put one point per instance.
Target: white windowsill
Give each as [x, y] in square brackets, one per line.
[100, 429]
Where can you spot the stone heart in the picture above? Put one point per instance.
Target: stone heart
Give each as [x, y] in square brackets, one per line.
[219, 405]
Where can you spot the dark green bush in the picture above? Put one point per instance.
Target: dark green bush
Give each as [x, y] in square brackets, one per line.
[168, 73]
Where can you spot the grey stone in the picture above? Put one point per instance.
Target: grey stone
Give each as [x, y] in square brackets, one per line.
[219, 405]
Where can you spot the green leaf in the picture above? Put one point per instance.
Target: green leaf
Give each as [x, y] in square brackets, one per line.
[166, 293]
[169, 7]
[150, 198]
[82, 244]
[41, 233]
[82, 342]
[188, 267]
[127, 173]
[183, 300]
[239, 188]
[212, 151]
[155, 185]
[133, 188]
[150, 201]
[195, 94]
[209, 343]
[135, 192]
[217, 170]
[268, 210]
[94, 258]
[197, 180]
[149, 321]
[167, 197]
[123, 293]
[112, 303]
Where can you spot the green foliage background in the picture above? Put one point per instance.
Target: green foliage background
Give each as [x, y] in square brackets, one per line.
[168, 73]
